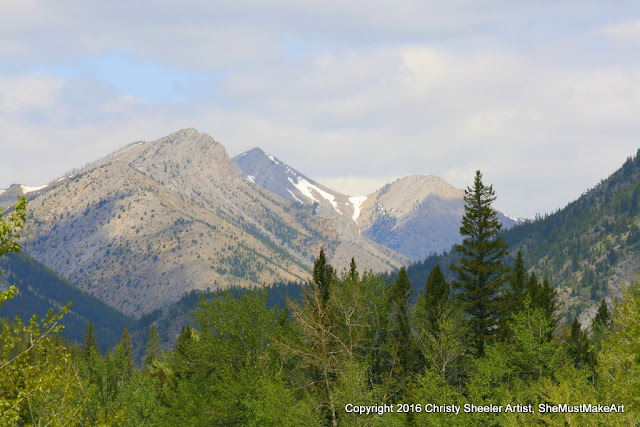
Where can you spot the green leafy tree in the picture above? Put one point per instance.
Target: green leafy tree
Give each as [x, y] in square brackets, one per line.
[481, 273]
[542, 295]
[618, 361]
[39, 384]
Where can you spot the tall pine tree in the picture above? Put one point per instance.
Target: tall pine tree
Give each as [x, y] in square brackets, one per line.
[402, 348]
[481, 271]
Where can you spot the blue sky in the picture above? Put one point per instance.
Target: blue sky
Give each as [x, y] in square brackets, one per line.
[542, 96]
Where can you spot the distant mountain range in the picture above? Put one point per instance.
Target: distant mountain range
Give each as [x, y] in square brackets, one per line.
[158, 219]
[151, 222]
[415, 216]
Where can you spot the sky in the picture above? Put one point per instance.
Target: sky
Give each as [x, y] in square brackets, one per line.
[542, 96]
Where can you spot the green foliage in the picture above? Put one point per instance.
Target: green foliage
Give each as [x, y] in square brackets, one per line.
[38, 380]
[11, 226]
[351, 339]
[323, 277]
[152, 349]
[481, 273]
[578, 345]
[41, 288]
[401, 344]
[618, 362]
[434, 302]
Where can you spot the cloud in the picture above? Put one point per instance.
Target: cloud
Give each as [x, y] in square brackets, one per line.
[626, 32]
[543, 97]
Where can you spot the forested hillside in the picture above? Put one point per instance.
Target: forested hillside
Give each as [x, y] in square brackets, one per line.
[41, 289]
[589, 250]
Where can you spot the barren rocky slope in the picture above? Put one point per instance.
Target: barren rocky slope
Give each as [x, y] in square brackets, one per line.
[157, 219]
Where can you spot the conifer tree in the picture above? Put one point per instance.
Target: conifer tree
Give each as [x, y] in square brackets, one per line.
[603, 318]
[127, 351]
[578, 345]
[323, 277]
[400, 333]
[152, 349]
[481, 271]
[542, 296]
[600, 325]
[89, 342]
[435, 298]
[353, 270]
[514, 299]
[318, 346]
[518, 284]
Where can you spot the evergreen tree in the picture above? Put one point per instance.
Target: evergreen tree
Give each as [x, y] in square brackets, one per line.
[353, 271]
[324, 276]
[600, 326]
[603, 318]
[400, 333]
[89, 342]
[518, 284]
[481, 272]
[435, 298]
[542, 296]
[514, 299]
[319, 348]
[578, 345]
[127, 351]
[152, 350]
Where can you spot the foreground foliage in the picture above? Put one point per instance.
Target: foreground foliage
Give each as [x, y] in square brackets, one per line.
[350, 340]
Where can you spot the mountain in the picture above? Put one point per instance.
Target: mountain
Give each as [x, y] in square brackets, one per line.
[274, 175]
[157, 219]
[590, 248]
[9, 196]
[415, 216]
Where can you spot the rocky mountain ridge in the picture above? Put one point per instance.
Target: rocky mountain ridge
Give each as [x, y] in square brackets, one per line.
[158, 219]
[415, 216]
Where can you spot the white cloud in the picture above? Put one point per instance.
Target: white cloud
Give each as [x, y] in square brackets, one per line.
[28, 91]
[627, 32]
[365, 90]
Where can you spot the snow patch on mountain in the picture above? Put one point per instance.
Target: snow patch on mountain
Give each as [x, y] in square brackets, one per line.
[305, 188]
[251, 179]
[27, 190]
[357, 202]
[294, 196]
[273, 159]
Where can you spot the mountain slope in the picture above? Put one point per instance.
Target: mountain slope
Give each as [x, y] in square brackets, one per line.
[591, 247]
[158, 219]
[274, 175]
[41, 289]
